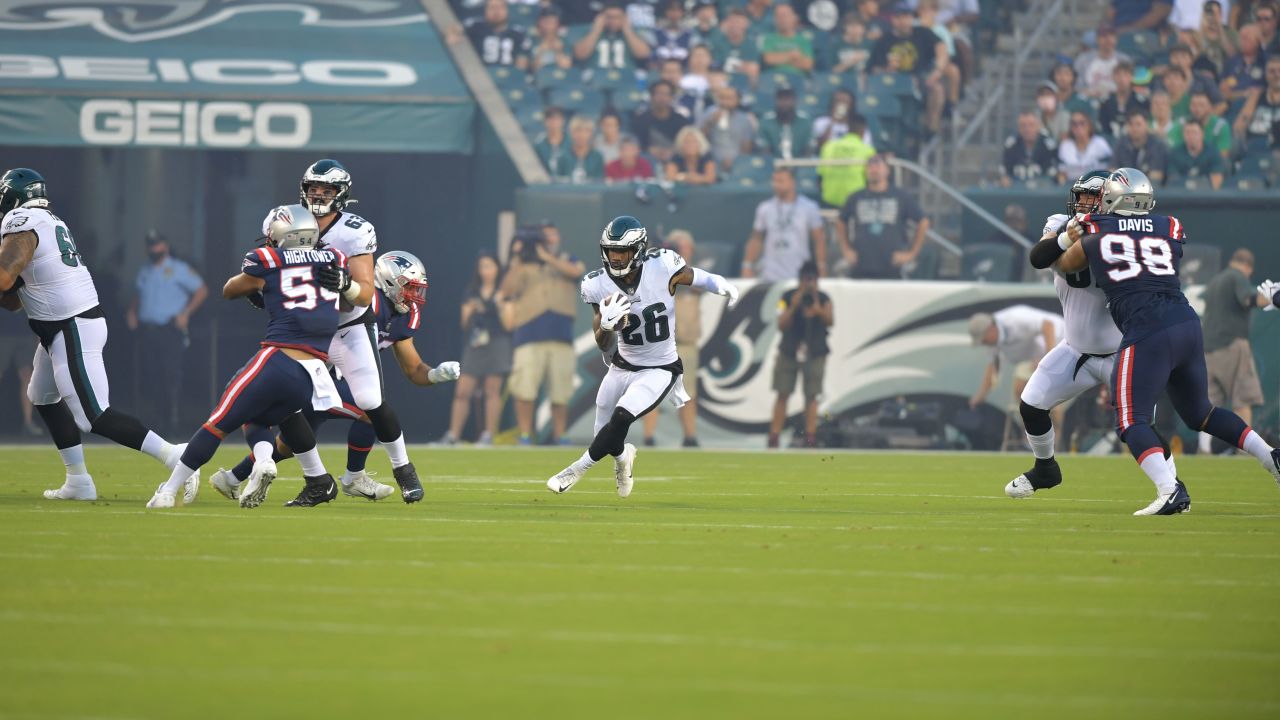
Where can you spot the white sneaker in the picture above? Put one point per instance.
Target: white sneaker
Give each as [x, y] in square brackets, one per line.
[366, 487]
[259, 482]
[162, 499]
[191, 488]
[75, 487]
[1019, 488]
[226, 484]
[623, 465]
[564, 480]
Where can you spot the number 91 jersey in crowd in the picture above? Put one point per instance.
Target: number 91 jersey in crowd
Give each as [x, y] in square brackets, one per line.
[648, 339]
[303, 315]
[350, 235]
[1135, 261]
[56, 284]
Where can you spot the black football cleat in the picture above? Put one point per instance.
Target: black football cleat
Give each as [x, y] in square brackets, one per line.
[317, 491]
[407, 478]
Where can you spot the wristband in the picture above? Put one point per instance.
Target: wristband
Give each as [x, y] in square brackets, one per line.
[352, 292]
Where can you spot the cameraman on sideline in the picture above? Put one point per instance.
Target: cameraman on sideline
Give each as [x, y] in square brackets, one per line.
[542, 289]
[805, 316]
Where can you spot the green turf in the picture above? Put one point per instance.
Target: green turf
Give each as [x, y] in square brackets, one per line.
[744, 584]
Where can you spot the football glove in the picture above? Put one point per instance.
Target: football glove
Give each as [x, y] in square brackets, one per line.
[334, 277]
[255, 299]
[444, 372]
[1269, 288]
[614, 310]
[731, 292]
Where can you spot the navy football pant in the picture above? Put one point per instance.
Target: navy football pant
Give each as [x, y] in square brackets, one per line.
[1172, 358]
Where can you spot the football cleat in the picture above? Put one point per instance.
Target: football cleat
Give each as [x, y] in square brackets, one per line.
[563, 480]
[1044, 475]
[191, 488]
[1019, 488]
[365, 487]
[1275, 465]
[407, 478]
[317, 491]
[623, 467]
[162, 499]
[259, 482]
[1170, 503]
[226, 484]
[75, 487]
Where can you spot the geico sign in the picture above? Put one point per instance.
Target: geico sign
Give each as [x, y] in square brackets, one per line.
[191, 124]
[362, 73]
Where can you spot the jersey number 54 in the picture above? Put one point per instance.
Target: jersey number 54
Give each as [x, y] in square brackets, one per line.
[298, 285]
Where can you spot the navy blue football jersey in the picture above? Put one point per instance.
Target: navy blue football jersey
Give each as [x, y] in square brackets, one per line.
[393, 326]
[302, 314]
[1135, 260]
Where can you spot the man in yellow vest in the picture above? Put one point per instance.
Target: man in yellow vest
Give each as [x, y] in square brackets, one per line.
[841, 181]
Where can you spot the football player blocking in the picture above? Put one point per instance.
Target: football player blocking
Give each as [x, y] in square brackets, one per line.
[42, 273]
[639, 346]
[1134, 256]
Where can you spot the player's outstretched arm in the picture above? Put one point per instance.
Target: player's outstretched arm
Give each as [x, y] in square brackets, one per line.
[242, 285]
[420, 373]
[16, 251]
[703, 280]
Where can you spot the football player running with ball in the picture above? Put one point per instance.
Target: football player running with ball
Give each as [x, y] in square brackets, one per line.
[633, 297]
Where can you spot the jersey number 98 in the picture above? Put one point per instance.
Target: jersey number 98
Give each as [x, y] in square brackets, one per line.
[1130, 257]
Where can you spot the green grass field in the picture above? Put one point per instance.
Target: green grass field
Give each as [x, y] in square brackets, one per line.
[730, 584]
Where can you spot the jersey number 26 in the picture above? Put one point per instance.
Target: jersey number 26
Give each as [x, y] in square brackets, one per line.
[297, 284]
[1129, 257]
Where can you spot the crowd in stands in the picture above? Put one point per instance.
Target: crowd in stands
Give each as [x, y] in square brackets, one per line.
[706, 91]
[1186, 91]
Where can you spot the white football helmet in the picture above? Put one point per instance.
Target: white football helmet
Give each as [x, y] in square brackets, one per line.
[402, 277]
[1128, 191]
[293, 227]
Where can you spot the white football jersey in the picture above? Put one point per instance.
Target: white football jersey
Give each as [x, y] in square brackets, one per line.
[1090, 327]
[57, 284]
[649, 339]
[351, 235]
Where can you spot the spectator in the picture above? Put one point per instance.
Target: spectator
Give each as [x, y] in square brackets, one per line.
[927, 17]
[1193, 159]
[1054, 121]
[1245, 71]
[630, 165]
[734, 48]
[1177, 84]
[1019, 336]
[692, 163]
[835, 123]
[1259, 120]
[1217, 131]
[917, 51]
[805, 316]
[1162, 122]
[730, 129]
[853, 49]
[1128, 16]
[547, 48]
[872, 227]
[785, 131]
[1096, 68]
[1115, 110]
[551, 147]
[868, 13]
[583, 163]
[695, 85]
[541, 293]
[1064, 79]
[759, 16]
[841, 181]
[1181, 56]
[671, 39]
[960, 17]
[1082, 151]
[169, 293]
[643, 15]
[17, 349]
[496, 41]
[705, 22]
[486, 360]
[1188, 15]
[1265, 17]
[688, 332]
[609, 142]
[656, 126]
[1138, 148]
[1233, 378]
[786, 49]
[786, 233]
[1028, 154]
[611, 43]
[1213, 40]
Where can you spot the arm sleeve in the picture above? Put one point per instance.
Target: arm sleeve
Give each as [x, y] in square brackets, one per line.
[703, 280]
[1045, 253]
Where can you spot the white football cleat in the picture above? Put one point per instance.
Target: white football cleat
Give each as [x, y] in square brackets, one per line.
[191, 488]
[564, 480]
[363, 486]
[259, 482]
[623, 467]
[226, 484]
[1019, 488]
[162, 499]
[75, 487]
[1170, 503]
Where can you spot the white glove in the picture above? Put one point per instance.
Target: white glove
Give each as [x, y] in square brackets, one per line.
[1269, 288]
[444, 372]
[731, 292]
[614, 310]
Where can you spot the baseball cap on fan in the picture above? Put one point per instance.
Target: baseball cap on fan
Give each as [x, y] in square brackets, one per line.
[979, 324]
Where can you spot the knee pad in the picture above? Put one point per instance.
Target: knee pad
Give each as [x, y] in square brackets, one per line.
[367, 396]
[613, 436]
[1034, 419]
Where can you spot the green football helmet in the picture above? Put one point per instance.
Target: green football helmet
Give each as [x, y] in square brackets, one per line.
[326, 172]
[622, 233]
[1089, 183]
[22, 187]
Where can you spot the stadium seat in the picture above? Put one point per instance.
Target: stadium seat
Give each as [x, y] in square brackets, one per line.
[1256, 163]
[825, 83]
[522, 98]
[807, 181]
[880, 105]
[988, 262]
[900, 84]
[769, 83]
[1247, 181]
[612, 80]
[522, 14]
[1140, 46]
[552, 77]
[751, 170]
[577, 100]
[508, 78]
[1200, 262]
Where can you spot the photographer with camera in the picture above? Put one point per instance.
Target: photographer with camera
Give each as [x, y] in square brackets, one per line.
[541, 288]
[805, 316]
